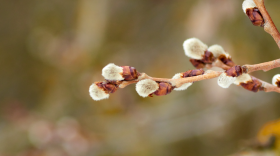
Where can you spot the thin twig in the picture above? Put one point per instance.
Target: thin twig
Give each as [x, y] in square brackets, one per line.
[266, 66]
[176, 82]
[269, 26]
[269, 87]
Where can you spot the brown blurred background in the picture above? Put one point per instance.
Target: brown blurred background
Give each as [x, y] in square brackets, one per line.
[51, 51]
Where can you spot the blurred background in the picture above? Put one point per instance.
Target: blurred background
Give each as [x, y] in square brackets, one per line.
[52, 51]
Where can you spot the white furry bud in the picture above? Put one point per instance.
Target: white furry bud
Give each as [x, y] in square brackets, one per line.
[276, 80]
[184, 86]
[225, 81]
[217, 50]
[146, 87]
[248, 4]
[244, 78]
[97, 93]
[112, 72]
[194, 48]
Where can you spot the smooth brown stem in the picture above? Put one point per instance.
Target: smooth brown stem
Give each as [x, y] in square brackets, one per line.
[269, 25]
[262, 66]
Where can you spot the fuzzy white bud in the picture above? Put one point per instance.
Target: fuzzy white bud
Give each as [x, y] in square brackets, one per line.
[112, 72]
[217, 50]
[97, 93]
[184, 86]
[194, 48]
[244, 78]
[146, 87]
[225, 81]
[276, 80]
[248, 4]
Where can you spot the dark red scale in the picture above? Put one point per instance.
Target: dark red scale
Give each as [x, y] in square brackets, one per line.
[234, 71]
[129, 73]
[194, 72]
[208, 57]
[164, 89]
[255, 16]
[225, 60]
[253, 86]
[197, 63]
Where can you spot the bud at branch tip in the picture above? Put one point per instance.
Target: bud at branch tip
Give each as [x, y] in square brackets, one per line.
[97, 93]
[248, 4]
[217, 50]
[112, 72]
[194, 48]
[250, 9]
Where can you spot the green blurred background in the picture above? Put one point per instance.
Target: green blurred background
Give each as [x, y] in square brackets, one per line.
[51, 52]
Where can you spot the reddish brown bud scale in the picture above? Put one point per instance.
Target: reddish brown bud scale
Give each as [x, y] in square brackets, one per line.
[255, 16]
[108, 87]
[208, 57]
[129, 73]
[276, 80]
[253, 86]
[116, 83]
[278, 83]
[226, 60]
[194, 72]
[234, 71]
[164, 89]
[197, 63]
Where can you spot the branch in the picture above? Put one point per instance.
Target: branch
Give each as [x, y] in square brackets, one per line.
[175, 82]
[266, 66]
[269, 26]
[213, 74]
[214, 56]
[120, 77]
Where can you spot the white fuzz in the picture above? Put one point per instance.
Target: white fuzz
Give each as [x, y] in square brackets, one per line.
[244, 78]
[146, 87]
[112, 72]
[225, 81]
[217, 50]
[184, 86]
[248, 4]
[97, 93]
[227, 55]
[194, 48]
[276, 78]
